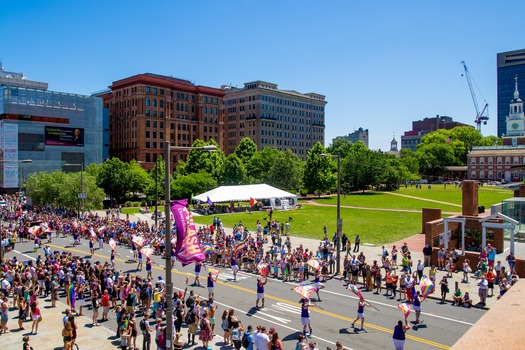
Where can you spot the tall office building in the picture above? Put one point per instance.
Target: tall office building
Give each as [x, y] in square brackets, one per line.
[510, 65]
[284, 119]
[358, 135]
[147, 109]
[50, 128]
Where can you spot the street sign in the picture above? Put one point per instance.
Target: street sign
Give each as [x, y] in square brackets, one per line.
[339, 227]
[81, 196]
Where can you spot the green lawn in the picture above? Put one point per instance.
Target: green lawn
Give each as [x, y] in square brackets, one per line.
[375, 199]
[130, 210]
[374, 226]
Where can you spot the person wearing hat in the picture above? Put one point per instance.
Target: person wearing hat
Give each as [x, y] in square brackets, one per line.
[467, 301]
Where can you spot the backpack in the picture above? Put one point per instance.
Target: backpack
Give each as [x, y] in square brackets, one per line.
[190, 318]
[189, 301]
[245, 341]
[144, 293]
[142, 325]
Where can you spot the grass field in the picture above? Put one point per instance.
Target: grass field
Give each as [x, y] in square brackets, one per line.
[374, 226]
[130, 210]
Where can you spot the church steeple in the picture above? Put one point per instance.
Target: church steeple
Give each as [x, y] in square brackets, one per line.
[393, 144]
[516, 92]
[516, 118]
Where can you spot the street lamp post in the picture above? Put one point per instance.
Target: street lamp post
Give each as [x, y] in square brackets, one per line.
[82, 195]
[25, 161]
[339, 220]
[156, 197]
[167, 234]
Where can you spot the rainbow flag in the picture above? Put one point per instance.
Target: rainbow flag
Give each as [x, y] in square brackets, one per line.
[405, 308]
[314, 264]
[427, 286]
[208, 249]
[213, 271]
[239, 246]
[147, 251]
[34, 230]
[71, 296]
[355, 289]
[304, 290]
[263, 269]
[138, 240]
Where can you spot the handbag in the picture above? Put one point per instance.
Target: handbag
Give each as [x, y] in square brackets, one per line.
[40, 318]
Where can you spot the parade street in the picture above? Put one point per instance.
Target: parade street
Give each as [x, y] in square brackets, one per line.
[442, 324]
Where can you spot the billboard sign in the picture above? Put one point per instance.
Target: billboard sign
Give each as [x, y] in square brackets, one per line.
[62, 136]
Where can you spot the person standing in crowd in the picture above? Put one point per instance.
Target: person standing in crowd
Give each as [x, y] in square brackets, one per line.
[427, 253]
[260, 292]
[483, 285]
[398, 337]
[444, 289]
[418, 298]
[210, 283]
[361, 312]
[206, 333]
[356, 243]
[146, 330]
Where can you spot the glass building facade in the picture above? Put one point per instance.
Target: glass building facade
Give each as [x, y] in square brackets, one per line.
[510, 65]
[50, 128]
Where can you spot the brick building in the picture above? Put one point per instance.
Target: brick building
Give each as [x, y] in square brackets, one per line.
[284, 119]
[147, 109]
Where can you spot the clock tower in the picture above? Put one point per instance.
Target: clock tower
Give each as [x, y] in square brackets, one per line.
[516, 118]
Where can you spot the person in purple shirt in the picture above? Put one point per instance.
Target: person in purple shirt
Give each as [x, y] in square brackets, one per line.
[211, 285]
[260, 292]
[235, 268]
[399, 334]
[198, 267]
[305, 315]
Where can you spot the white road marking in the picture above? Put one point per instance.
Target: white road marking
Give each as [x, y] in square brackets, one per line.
[27, 256]
[256, 315]
[395, 307]
[286, 307]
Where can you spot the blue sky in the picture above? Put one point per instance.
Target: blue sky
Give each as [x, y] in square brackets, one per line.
[381, 64]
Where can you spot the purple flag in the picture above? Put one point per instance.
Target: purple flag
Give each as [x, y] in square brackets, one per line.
[187, 248]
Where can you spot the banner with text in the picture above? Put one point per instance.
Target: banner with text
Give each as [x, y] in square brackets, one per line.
[187, 249]
[62, 136]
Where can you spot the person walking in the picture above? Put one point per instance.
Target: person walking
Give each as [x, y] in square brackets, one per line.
[260, 292]
[356, 243]
[361, 312]
[210, 284]
[197, 270]
[418, 298]
[398, 337]
[305, 315]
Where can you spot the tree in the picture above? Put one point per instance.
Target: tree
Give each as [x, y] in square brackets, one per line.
[44, 188]
[185, 186]
[318, 175]
[245, 150]
[158, 173]
[114, 178]
[258, 167]
[341, 146]
[234, 171]
[138, 177]
[286, 171]
[410, 162]
[433, 158]
[201, 160]
[361, 168]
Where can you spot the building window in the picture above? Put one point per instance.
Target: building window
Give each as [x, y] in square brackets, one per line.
[154, 90]
[161, 104]
[147, 133]
[481, 160]
[491, 175]
[148, 90]
[154, 102]
[491, 160]
[507, 160]
[148, 157]
[473, 175]
[147, 113]
[516, 160]
[204, 110]
[148, 123]
[147, 102]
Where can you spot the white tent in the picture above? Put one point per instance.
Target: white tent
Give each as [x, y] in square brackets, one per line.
[267, 195]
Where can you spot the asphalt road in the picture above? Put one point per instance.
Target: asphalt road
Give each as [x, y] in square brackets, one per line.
[442, 324]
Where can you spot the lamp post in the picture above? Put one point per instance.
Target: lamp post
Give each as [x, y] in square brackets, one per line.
[339, 220]
[167, 234]
[82, 195]
[156, 196]
[25, 161]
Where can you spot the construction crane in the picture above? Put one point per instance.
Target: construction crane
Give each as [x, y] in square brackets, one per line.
[483, 116]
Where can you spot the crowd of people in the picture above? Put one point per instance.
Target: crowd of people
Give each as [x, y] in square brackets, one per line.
[140, 302]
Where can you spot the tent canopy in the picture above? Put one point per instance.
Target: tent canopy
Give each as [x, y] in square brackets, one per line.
[243, 193]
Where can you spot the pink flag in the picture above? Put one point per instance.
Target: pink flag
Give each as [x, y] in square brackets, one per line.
[188, 249]
[314, 264]
[147, 251]
[355, 289]
[138, 240]
[304, 290]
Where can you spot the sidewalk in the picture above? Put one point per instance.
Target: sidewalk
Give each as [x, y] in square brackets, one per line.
[50, 331]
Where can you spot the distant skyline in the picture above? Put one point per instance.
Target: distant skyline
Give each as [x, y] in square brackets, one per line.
[381, 65]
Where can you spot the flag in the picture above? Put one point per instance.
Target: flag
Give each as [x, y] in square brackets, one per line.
[71, 296]
[208, 200]
[405, 308]
[213, 271]
[187, 246]
[239, 246]
[355, 289]
[208, 249]
[138, 240]
[427, 287]
[34, 230]
[263, 269]
[92, 233]
[147, 251]
[304, 290]
[253, 201]
[314, 264]
[113, 244]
